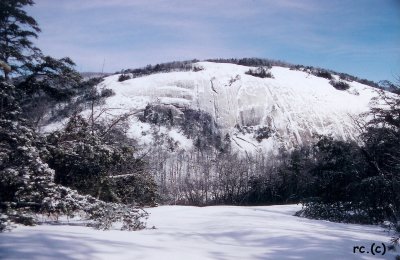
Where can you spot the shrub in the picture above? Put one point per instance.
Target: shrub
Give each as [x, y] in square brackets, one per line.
[124, 77]
[336, 212]
[197, 68]
[347, 77]
[368, 83]
[339, 85]
[262, 133]
[107, 93]
[260, 72]
[322, 74]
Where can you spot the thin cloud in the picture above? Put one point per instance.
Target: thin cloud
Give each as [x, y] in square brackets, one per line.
[130, 33]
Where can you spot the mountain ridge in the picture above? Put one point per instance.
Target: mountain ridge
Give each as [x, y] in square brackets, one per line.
[291, 106]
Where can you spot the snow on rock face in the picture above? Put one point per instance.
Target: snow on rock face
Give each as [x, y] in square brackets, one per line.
[295, 105]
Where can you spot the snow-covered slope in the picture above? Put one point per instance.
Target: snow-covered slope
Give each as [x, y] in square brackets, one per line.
[220, 232]
[293, 106]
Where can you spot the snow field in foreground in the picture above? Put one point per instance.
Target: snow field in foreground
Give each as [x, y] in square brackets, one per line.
[219, 232]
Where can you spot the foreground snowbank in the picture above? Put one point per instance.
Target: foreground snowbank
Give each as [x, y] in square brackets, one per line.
[221, 232]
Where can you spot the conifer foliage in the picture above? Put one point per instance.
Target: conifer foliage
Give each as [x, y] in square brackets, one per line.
[17, 29]
[27, 182]
[72, 171]
[92, 163]
[360, 182]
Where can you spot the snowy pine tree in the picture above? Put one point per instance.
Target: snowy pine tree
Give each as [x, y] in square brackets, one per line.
[27, 183]
[17, 29]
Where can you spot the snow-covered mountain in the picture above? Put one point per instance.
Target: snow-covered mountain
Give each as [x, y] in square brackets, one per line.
[259, 114]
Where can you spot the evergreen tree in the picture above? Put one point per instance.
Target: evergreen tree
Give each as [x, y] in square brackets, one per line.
[101, 167]
[55, 78]
[382, 150]
[27, 183]
[360, 182]
[17, 29]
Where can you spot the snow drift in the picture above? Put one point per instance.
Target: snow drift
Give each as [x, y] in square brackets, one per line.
[220, 232]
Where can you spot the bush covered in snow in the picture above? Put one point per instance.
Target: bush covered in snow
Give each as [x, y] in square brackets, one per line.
[107, 93]
[27, 184]
[322, 73]
[260, 72]
[336, 212]
[124, 77]
[87, 159]
[339, 84]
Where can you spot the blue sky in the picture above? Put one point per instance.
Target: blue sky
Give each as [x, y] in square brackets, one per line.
[360, 37]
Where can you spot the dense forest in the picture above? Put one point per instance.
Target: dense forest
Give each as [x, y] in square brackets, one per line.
[92, 168]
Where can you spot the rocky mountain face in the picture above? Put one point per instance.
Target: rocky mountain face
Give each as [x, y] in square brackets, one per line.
[255, 109]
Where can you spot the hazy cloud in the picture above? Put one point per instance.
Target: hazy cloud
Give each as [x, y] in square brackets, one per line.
[131, 33]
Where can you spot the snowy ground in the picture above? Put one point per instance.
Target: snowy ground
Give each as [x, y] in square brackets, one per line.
[222, 232]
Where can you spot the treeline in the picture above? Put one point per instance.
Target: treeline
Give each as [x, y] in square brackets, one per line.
[319, 72]
[209, 177]
[253, 62]
[158, 68]
[262, 64]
